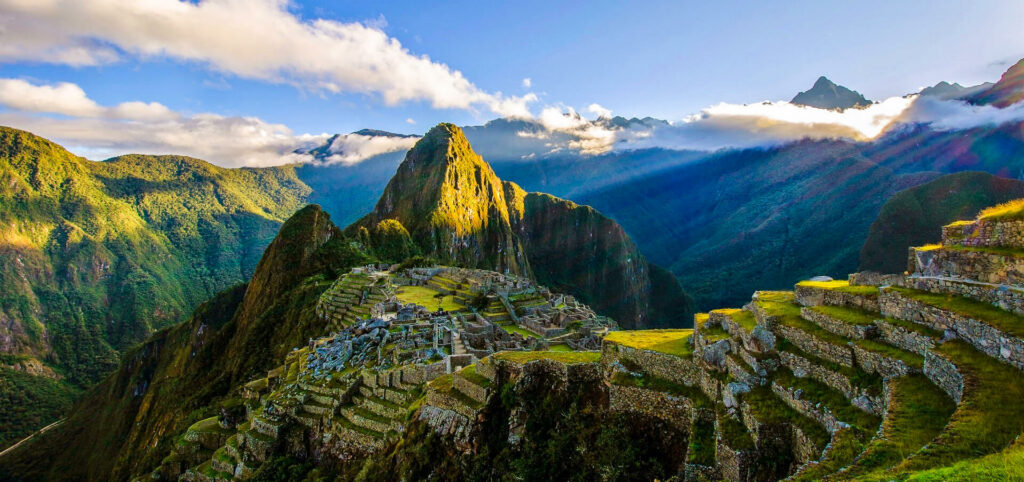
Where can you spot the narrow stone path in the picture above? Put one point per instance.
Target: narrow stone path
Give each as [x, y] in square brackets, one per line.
[26, 439]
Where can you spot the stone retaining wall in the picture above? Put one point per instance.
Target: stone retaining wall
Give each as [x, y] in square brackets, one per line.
[733, 464]
[871, 278]
[839, 327]
[661, 365]
[801, 367]
[675, 410]
[885, 366]
[1009, 298]
[815, 296]
[968, 264]
[945, 374]
[810, 344]
[984, 337]
[985, 233]
[900, 337]
[470, 389]
[819, 414]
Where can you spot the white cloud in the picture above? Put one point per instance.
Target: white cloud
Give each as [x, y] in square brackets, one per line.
[350, 149]
[410, 121]
[256, 39]
[527, 83]
[599, 111]
[957, 115]
[96, 131]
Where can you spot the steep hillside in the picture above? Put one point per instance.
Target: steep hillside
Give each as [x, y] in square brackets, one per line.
[128, 422]
[915, 217]
[458, 211]
[1008, 90]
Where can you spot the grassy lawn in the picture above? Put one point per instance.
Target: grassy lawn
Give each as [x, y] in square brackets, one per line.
[988, 418]
[427, 297]
[842, 286]
[520, 330]
[559, 356]
[846, 445]
[917, 413]
[851, 316]
[672, 342]
[743, 318]
[560, 347]
[1006, 321]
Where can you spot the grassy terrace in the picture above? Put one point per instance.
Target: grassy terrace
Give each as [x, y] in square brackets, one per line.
[671, 342]
[209, 425]
[988, 418]
[559, 356]
[1008, 211]
[427, 297]
[846, 445]
[559, 347]
[851, 316]
[715, 333]
[818, 392]
[789, 315]
[1006, 321]
[520, 330]
[341, 421]
[842, 286]
[732, 430]
[769, 409]
[1006, 465]
[918, 410]
[469, 373]
[996, 250]
[915, 328]
[700, 319]
[743, 318]
[650, 382]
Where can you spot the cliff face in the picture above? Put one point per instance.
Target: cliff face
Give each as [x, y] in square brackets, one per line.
[457, 210]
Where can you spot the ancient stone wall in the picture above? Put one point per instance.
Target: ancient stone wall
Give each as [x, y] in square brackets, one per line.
[944, 373]
[984, 233]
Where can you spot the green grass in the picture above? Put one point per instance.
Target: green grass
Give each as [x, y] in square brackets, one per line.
[1006, 321]
[1005, 465]
[346, 423]
[988, 418]
[559, 356]
[671, 342]
[520, 330]
[714, 333]
[846, 446]
[702, 443]
[745, 319]
[915, 328]
[560, 347]
[818, 392]
[733, 432]
[209, 425]
[427, 297]
[910, 358]
[852, 316]
[918, 411]
[469, 373]
[770, 409]
[1008, 211]
[842, 286]
[650, 382]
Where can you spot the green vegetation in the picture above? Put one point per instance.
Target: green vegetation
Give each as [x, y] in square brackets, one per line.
[714, 333]
[918, 411]
[818, 392]
[915, 328]
[743, 318]
[559, 356]
[852, 316]
[1006, 321]
[702, 443]
[523, 331]
[1007, 211]
[915, 216]
[469, 373]
[672, 342]
[872, 382]
[846, 445]
[732, 430]
[29, 402]
[769, 409]
[427, 297]
[559, 347]
[842, 286]
[1005, 465]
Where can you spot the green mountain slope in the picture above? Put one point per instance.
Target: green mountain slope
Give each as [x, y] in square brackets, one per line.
[128, 422]
[915, 217]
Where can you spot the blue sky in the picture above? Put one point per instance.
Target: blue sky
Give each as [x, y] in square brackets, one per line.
[662, 59]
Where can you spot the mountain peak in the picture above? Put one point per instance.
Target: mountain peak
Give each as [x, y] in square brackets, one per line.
[1008, 90]
[825, 94]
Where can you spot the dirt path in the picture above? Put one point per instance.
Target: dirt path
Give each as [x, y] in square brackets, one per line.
[26, 439]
